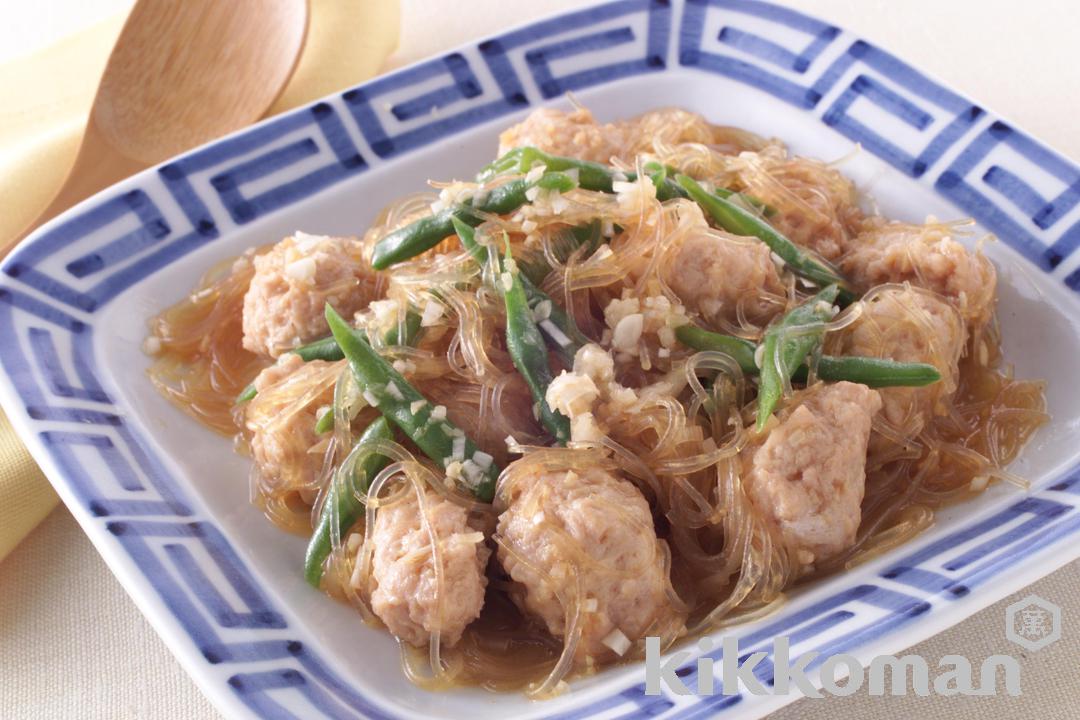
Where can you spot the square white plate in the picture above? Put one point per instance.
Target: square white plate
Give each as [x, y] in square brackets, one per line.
[165, 501]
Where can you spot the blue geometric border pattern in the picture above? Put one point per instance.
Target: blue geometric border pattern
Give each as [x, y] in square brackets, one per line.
[592, 46]
[1022, 190]
[445, 95]
[449, 96]
[143, 230]
[53, 289]
[767, 46]
[910, 121]
[1013, 185]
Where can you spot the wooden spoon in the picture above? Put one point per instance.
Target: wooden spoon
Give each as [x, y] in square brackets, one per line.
[181, 74]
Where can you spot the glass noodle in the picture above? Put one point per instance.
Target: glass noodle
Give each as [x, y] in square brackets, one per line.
[680, 441]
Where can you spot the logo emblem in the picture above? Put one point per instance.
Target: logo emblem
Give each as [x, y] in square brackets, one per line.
[1033, 623]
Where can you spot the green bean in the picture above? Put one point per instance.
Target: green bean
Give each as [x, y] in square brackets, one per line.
[740, 350]
[246, 394]
[665, 188]
[784, 352]
[591, 175]
[327, 349]
[403, 404]
[735, 219]
[342, 506]
[412, 328]
[870, 371]
[426, 233]
[467, 236]
[876, 372]
[325, 423]
[321, 349]
[668, 189]
[558, 327]
[528, 351]
[565, 244]
[601, 178]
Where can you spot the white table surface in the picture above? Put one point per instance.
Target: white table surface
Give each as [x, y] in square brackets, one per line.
[73, 644]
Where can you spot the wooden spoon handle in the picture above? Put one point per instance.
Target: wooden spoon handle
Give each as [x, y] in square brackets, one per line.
[97, 166]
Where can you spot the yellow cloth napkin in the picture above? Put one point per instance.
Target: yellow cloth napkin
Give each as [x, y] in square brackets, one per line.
[47, 103]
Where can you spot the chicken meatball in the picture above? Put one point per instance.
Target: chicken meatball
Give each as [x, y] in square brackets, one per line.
[910, 325]
[722, 277]
[284, 304]
[405, 593]
[577, 134]
[808, 476]
[281, 419]
[816, 207]
[927, 256]
[674, 126]
[588, 527]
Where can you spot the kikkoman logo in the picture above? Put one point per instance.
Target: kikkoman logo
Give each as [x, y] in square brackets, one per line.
[1032, 623]
[954, 676]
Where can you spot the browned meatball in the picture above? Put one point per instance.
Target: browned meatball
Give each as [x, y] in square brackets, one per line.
[808, 476]
[281, 420]
[722, 276]
[284, 304]
[577, 134]
[405, 593]
[816, 207]
[592, 527]
[910, 325]
[929, 257]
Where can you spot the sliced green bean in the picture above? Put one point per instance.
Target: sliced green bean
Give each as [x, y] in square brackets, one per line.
[558, 327]
[398, 400]
[246, 394]
[786, 351]
[321, 349]
[426, 233]
[467, 236]
[327, 349]
[591, 175]
[666, 189]
[565, 244]
[344, 507]
[529, 352]
[870, 371]
[740, 350]
[325, 423]
[599, 177]
[876, 372]
[735, 219]
[412, 328]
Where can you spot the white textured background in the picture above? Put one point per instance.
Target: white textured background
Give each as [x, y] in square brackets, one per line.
[74, 646]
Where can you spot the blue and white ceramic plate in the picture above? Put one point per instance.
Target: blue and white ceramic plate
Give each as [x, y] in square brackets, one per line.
[165, 500]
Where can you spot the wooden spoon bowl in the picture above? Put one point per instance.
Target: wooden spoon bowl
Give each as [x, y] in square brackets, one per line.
[181, 74]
